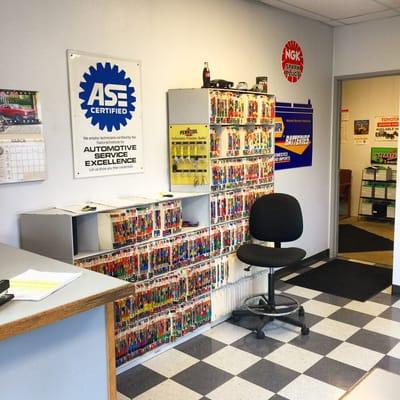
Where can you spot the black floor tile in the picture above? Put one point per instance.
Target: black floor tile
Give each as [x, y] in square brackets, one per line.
[332, 299]
[200, 347]
[282, 285]
[391, 364]
[373, 341]
[392, 313]
[351, 317]
[269, 375]
[310, 319]
[335, 373]
[277, 397]
[250, 322]
[202, 378]
[384, 298]
[300, 299]
[137, 380]
[316, 343]
[304, 269]
[259, 347]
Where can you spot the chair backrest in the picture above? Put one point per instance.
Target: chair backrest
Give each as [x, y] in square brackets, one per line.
[276, 218]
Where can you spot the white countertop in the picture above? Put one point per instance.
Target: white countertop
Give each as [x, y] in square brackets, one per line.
[88, 291]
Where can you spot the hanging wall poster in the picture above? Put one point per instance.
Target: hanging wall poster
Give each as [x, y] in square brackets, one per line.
[344, 124]
[293, 135]
[384, 155]
[361, 131]
[105, 98]
[387, 128]
[22, 145]
[344, 114]
[292, 61]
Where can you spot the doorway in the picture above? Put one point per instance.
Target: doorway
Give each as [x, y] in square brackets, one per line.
[367, 161]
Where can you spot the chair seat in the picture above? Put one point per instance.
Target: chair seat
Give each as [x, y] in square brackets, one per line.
[261, 256]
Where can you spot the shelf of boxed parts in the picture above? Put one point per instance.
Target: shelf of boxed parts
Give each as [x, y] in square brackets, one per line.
[222, 142]
[143, 240]
[378, 193]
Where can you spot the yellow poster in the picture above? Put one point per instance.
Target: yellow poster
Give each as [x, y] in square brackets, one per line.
[189, 152]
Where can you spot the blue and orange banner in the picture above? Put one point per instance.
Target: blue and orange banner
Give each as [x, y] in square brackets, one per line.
[293, 135]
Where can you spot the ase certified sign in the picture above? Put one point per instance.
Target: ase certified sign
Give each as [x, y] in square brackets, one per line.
[292, 61]
[105, 98]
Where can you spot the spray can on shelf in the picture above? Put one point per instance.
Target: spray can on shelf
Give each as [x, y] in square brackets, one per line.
[206, 75]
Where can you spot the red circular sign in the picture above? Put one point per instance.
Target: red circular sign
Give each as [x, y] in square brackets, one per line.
[292, 61]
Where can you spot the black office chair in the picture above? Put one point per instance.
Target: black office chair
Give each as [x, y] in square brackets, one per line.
[274, 218]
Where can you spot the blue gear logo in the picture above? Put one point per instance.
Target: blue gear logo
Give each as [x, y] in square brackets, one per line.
[107, 96]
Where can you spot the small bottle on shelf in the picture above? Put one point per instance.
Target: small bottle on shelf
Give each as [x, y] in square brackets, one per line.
[206, 75]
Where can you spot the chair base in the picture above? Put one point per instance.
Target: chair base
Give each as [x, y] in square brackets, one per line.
[267, 308]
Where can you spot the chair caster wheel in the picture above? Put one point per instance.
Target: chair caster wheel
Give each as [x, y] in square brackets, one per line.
[260, 334]
[235, 318]
[301, 311]
[305, 330]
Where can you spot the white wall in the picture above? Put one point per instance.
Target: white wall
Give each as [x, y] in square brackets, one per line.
[365, 99]
[366, 48]
[240, 38]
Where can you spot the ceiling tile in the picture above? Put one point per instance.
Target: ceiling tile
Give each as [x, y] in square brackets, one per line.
[389, 3]
[339, 12]
[369, 17]
[287, 7]
[338, 9]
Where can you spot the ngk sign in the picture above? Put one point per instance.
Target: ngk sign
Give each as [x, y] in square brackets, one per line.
[292, 61]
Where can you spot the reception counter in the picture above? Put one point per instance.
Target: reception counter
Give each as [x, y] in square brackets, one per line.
[63, 346]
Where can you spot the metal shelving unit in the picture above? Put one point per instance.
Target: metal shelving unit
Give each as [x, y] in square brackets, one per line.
[377, 194]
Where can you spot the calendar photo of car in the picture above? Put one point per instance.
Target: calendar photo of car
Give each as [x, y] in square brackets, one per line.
[22, 144]
[19, 107]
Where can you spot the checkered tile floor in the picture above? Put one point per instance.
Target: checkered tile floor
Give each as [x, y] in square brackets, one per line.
[347, 339]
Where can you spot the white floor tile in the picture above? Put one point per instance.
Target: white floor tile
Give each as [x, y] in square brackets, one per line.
[294, 357]
[361, 261]
[303, 292]
[378, 384]
[397, 304]
[226, 333]
[335, 329]
[307, 388]
[239, 389]
[290, 276]
[120, 396]
[170, 363]
[232, 360]
[319, 308]
[317, 264]
[388, 290]
[281, 331]
[395, 352]
[169, 390]
[356, 356]
[384, 326]
[366, 307]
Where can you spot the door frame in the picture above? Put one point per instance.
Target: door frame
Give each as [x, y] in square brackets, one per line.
[335, 167]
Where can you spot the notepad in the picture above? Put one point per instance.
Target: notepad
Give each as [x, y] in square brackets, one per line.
[37, 285]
